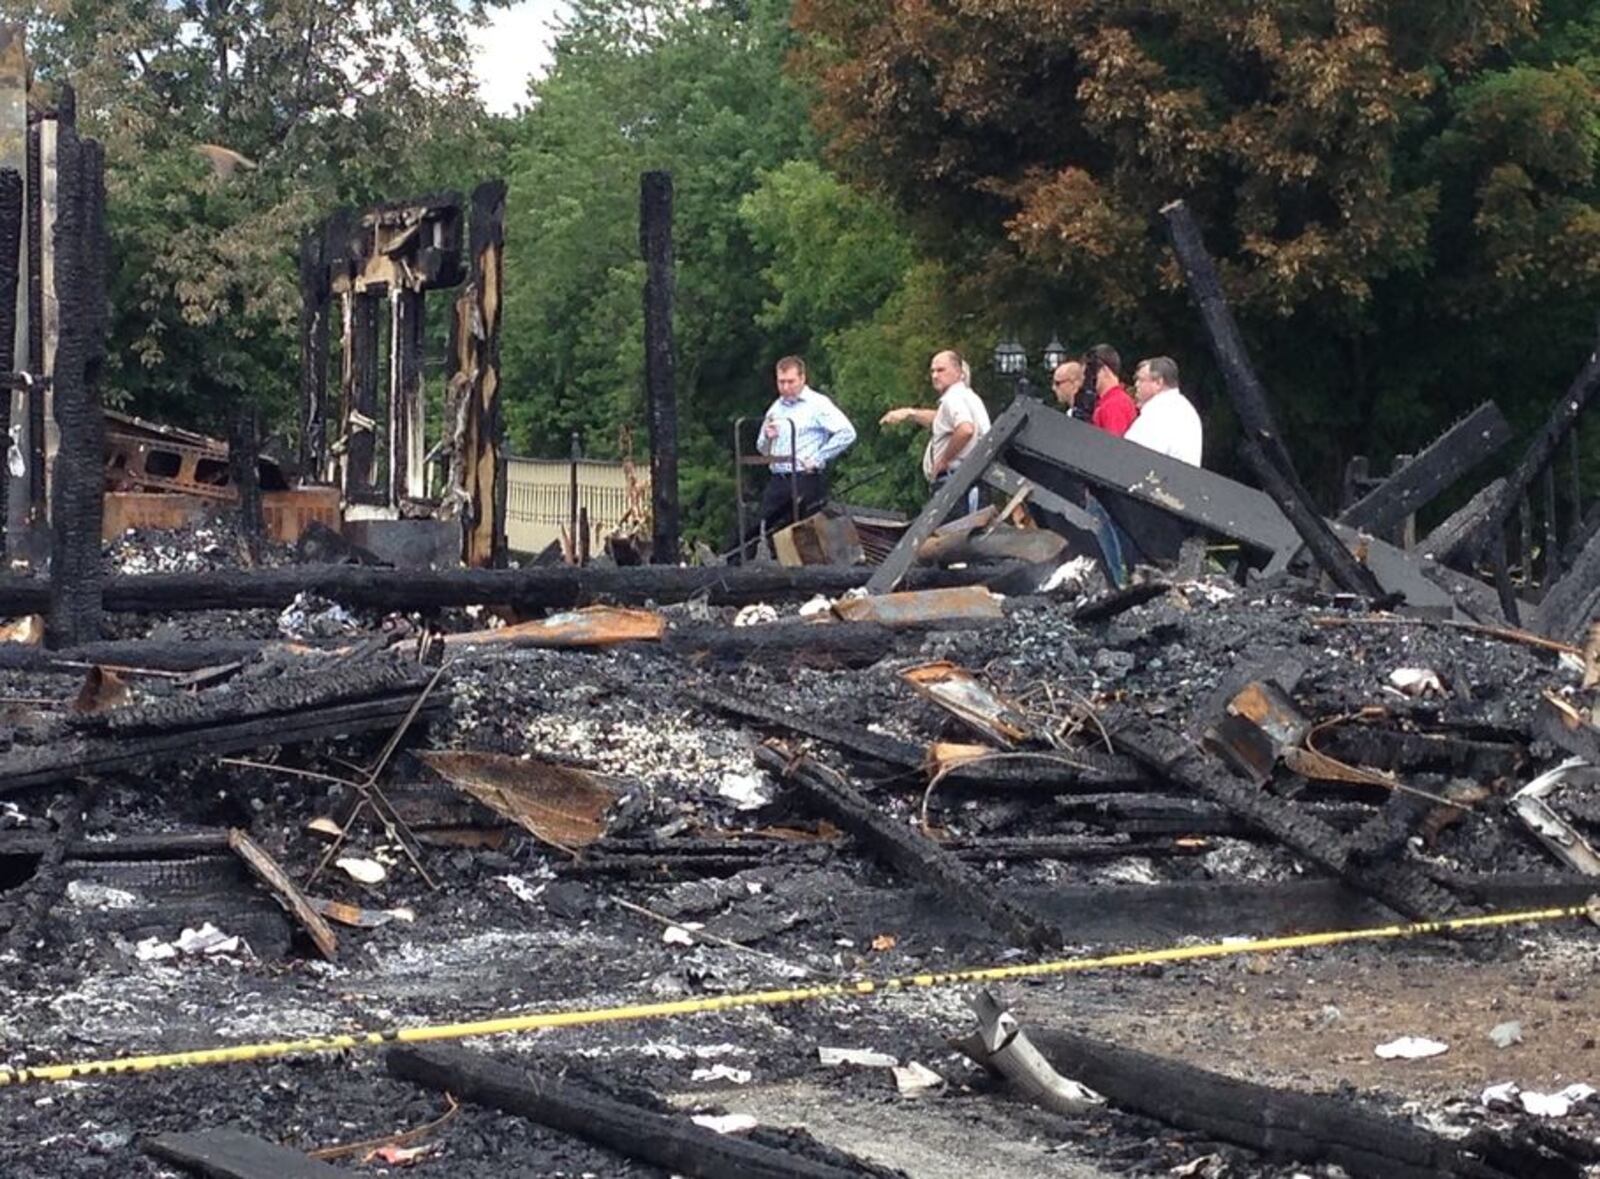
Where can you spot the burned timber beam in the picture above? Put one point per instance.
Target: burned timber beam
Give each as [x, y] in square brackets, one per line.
[660, 362]
[1264, 447]
[905, 850]
[670, 1141]
[555, 588]
[1398, 885]
[1463, 446]
[1280, 1123]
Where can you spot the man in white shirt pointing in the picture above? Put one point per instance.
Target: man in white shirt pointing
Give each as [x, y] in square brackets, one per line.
[802, 433]
[954, 428]
[1167, 422]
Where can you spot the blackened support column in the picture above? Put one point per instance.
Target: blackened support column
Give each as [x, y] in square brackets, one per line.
[660, 361]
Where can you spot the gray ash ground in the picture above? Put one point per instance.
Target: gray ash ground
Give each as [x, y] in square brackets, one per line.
[475, 949]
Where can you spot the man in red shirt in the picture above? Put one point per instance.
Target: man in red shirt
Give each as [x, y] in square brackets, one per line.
[1114, 410]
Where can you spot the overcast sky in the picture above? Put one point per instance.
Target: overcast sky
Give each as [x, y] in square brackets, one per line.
[516, 44]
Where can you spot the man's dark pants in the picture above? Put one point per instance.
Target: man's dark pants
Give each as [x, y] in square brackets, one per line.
[778, 500]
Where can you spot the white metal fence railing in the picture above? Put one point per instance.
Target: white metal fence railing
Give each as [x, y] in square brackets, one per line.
[539, 499]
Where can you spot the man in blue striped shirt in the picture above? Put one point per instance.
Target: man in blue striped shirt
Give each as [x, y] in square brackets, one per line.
[803, 432]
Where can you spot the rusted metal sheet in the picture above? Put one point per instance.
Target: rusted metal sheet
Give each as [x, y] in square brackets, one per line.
[819, 540]
[959, 692]
[921, 606]
[558, 805]
[287, 513]
[593, 626]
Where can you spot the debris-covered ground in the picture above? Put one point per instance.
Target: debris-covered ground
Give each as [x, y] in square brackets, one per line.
[612, 837]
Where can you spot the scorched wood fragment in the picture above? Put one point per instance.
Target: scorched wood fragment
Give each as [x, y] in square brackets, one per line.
[671, 1141]
[906, 850]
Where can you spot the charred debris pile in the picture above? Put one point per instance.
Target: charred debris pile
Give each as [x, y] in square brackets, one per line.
[1043, 771]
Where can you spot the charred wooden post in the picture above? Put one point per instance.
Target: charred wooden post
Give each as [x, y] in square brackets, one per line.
[480, 474]
[48, 882]
[660, 361]
[670, 1141]
[1264, 447]
[42, 319]
[314, 335]
[10, 263]
[244, 472]
[77, 572]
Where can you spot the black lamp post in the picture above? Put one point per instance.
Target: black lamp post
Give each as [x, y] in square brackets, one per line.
[1011, 363]
[1055, 355]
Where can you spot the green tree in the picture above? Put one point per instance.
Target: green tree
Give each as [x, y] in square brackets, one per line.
[699, 91]
[1394, 192]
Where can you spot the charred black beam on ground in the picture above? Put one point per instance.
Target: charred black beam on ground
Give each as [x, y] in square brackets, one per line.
[553, 588]
[670, 1141]
[905, 850]
[1403, 888]
[1281, 1123]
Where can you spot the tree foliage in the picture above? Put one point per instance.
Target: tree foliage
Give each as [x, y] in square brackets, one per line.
[1367, 173]
[312, 103]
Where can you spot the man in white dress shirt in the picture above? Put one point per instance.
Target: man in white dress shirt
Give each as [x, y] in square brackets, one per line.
[1167, 422]
[803, 432]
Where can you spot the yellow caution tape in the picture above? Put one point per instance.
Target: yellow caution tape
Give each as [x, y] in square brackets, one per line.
[239, 1053]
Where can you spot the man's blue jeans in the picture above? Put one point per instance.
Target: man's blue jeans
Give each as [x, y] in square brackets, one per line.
[1110, 538]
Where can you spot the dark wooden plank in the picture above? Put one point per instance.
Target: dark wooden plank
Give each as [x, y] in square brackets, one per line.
[670, 1141]
[1194, 494]
[1460, 448]
[989, 447]
[231, 1154]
